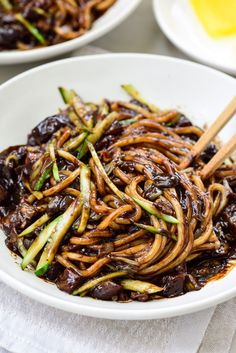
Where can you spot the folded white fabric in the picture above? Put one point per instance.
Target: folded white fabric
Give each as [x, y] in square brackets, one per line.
[28, 326]
[221, 330]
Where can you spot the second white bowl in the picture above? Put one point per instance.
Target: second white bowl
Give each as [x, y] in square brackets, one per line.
[112, 18]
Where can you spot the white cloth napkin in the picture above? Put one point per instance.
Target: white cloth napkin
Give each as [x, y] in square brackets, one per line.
[28, 326]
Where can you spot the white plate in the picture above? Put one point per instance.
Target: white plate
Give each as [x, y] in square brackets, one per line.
[181, 25]
[198, 91]
[112, 18]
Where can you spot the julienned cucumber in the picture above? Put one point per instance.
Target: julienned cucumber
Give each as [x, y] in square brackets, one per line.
[39, 243]
[60, 230]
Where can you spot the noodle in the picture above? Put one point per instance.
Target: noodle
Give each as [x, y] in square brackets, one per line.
[104, 197]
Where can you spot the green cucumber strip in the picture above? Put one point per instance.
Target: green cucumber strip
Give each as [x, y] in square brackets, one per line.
[39, 243]
[43, 219]
[65, 222]
[153, 211]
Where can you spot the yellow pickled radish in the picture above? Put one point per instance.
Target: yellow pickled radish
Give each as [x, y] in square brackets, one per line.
[218, 17]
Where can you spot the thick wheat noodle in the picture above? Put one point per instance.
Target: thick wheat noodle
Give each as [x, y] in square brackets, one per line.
[179, 151]
[184, 253]
[170, 155]
[154, 125]
[63, 184]
[204, 236]
[179, 243]
[101, 208]
[121, 175]
[207, 216]
[113, 215]
[221, 200]
[72, 192]
[166, 247]
[98, 234]
[165, 117]
[131, 189]
[104, 5]
[83, 241]
[62, 12]
[131, 250]
[213, 237]
[115, 226]
[64, 137]
[69, 157]
[216, 203]
[207, 246]
[133, 242]
[130, 262]
[176, 142]
[66, 263]
[147, 164]
[193, 256]
[52, 181]
[192, 194]
[189, 130]
[129, 238]
[70, 6]
[162, 160]
[94, 268]
[134, 217]
[148, 138]
[98, 177]
[65, 172]
[155, 248]
[82, 266]
[112, 201]
[164, 129]
[87, 12]
[133, 107]
[145, 153]
[79, 257]
[198, 182]
[143, 170]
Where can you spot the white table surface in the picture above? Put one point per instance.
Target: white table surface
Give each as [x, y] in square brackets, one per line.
[139, 33]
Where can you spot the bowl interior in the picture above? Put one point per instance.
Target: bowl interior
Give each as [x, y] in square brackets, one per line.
[199, 92]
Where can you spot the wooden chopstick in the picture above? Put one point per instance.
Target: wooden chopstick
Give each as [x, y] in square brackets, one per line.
[210, 133]
[219, 158]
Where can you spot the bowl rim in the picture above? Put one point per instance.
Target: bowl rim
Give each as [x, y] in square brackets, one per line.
[142, 313]
[134, 55]
[10, 57]
[115, 314]
[230, 69]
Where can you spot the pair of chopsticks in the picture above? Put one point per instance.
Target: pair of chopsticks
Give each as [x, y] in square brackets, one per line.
[225, 151]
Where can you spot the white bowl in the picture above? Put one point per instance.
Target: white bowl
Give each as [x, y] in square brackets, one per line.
[25, 100]
[112, 18]
[181, 25]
